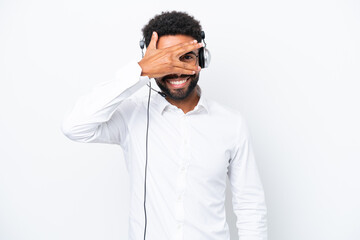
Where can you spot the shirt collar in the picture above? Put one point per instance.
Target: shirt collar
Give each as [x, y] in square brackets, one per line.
[163, 105]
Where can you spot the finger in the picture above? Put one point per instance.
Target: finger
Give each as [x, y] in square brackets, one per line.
[187, 66]
[182, 45]
[153, 41]
[187, 48]
[180, 71]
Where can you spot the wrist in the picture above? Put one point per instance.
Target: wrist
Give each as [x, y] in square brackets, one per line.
[144, 72]
[142, 68]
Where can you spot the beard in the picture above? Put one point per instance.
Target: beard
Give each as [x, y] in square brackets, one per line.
[181, 93]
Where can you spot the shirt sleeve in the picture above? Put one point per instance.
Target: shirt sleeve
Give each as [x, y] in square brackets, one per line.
[248, 197]
[98, 116]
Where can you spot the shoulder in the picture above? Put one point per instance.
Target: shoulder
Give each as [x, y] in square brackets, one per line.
[219, 109]
[129, 108]
[230, 116]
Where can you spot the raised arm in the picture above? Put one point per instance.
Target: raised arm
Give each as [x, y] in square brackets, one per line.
[99, 115]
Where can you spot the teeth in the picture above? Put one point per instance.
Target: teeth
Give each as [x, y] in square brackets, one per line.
[178, 82]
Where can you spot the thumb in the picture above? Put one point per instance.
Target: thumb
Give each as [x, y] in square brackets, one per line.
[153, 41]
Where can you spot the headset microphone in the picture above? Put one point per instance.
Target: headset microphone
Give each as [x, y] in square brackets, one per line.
[160, 93]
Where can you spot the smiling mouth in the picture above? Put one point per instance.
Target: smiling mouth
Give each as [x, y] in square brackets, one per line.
[179, 82]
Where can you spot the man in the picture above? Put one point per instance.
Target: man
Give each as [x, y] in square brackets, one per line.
[187, 148]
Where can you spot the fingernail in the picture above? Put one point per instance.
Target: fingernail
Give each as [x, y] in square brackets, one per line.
[199, 68]
[153, 33]
[195, 41]
[193, 72]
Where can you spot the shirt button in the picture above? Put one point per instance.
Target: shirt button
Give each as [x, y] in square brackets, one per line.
[179, 226]
[179, 198]
[182, 169]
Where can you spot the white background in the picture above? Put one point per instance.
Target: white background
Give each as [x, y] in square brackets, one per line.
[291, 68]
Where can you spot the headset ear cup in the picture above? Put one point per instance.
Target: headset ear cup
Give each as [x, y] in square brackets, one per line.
[206, 57]
[201, 57]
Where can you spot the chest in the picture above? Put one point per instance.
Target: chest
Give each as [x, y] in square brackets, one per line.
[200, 144]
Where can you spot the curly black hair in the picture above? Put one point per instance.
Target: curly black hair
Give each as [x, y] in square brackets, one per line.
[172, 23]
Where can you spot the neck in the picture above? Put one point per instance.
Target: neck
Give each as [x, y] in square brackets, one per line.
[187, 104]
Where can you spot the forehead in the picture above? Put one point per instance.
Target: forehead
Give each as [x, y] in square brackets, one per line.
[171, 40]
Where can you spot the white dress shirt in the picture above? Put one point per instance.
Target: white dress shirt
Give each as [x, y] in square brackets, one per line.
[189, 157]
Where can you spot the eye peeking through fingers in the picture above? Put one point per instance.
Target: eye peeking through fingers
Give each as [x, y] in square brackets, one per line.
[190, 58]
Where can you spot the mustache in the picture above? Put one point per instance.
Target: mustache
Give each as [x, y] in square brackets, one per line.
[172, 76]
